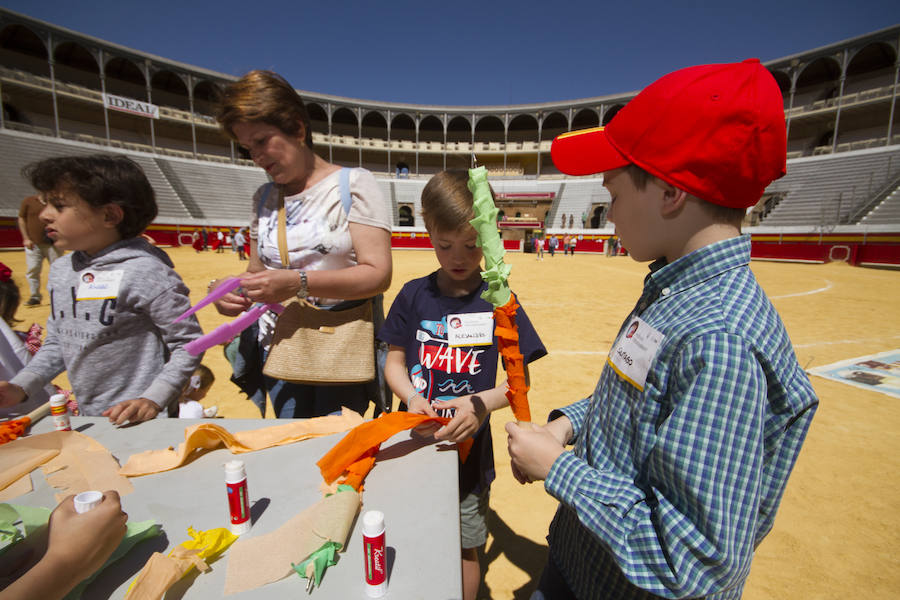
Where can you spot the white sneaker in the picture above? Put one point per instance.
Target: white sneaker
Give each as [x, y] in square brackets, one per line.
[210, 412]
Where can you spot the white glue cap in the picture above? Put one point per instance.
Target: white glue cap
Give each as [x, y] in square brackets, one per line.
[58, 400]
[373, 523]
[235, 471]
[85, 501]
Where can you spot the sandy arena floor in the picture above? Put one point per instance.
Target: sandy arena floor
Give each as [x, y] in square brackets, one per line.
[836, 530]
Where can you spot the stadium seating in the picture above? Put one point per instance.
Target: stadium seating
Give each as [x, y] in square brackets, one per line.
[832, 189]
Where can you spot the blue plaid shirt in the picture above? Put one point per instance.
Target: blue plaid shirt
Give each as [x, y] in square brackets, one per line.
[669, 490]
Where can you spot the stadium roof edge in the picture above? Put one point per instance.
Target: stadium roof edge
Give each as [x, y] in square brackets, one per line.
[829, 48]
[406, 107]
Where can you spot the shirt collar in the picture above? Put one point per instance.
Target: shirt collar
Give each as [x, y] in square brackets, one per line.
[700, 265]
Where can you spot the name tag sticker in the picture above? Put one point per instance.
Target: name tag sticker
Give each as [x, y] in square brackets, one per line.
[634, 351]
[99, 285]
[470, 329]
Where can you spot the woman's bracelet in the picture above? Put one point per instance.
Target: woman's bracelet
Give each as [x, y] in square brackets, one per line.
[410, 397]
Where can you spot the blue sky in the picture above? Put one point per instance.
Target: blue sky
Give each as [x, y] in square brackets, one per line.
[466, 53]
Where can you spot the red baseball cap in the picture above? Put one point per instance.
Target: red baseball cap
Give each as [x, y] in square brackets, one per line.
[714, 131]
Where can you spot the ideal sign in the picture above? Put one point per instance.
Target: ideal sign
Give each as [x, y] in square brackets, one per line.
[129, 105]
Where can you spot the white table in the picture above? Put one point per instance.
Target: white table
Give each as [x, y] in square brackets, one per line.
[414, 484]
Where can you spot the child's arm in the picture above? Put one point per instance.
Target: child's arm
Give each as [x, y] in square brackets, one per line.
[166, 385]
[46, 364]
[398, 379]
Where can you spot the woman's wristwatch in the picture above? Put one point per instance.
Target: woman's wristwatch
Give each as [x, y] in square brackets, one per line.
[303, 292]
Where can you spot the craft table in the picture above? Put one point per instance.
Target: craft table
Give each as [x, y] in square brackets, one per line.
[413, 483]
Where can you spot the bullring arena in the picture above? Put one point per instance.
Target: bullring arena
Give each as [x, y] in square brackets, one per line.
[826, 239]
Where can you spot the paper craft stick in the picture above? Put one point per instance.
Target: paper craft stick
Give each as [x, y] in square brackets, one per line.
[496, 274]
[227, 286]
[226, 331]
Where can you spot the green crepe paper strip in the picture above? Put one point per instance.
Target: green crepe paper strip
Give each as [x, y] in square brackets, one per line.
[32, 518]
[29, 517]
[326, 555]
[496, 272]
[134, 533]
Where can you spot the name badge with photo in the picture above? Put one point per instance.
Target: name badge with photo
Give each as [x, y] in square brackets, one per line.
[99, 285]
[470, 329]
[634, 351]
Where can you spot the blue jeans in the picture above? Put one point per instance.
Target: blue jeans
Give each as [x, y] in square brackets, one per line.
[299, 401]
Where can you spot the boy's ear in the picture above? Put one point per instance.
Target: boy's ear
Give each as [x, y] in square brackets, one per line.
[674, 200]
[112, 215]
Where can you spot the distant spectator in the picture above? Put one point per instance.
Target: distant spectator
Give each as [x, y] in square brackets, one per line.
[239, 241]
[37, 245]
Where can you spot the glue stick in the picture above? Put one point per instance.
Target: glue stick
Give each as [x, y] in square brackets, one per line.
[238, 501]
[374, 553]
[60, 413]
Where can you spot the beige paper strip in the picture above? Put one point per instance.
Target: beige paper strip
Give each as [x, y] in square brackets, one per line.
[209, 436]
[161, 572]
[257, 561]
[17, 461]
[81, 463]
[18, 488]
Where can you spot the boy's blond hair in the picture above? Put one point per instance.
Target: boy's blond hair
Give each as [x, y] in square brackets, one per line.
[447, 202]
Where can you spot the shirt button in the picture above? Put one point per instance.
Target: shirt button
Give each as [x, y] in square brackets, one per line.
[666, 291]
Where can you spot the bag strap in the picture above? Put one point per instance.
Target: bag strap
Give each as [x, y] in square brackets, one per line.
[346, 198]
[282, 233]
[259, 209]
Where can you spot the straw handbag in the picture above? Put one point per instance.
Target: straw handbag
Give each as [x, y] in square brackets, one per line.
[323, 347]
[320, 346]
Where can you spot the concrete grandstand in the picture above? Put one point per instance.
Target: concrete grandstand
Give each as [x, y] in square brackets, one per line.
[64, 92]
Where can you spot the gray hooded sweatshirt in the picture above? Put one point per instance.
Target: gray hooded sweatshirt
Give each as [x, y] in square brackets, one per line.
[111, 328]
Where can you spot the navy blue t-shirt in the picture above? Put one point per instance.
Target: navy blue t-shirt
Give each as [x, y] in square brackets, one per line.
[417, 322]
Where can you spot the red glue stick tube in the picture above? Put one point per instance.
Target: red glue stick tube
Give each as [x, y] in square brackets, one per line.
[374, 553]
[238, 500]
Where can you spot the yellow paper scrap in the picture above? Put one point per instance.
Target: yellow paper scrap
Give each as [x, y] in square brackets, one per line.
[161, 572]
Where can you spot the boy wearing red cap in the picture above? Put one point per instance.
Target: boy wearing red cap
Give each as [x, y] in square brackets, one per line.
[682, 453]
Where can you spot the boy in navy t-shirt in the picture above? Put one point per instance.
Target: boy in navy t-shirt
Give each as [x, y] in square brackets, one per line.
[443, 354]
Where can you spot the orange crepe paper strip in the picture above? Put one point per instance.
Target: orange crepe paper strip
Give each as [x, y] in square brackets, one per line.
[10, 430]
[507, 333]
[355, 453]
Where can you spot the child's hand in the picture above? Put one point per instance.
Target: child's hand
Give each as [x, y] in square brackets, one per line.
[533, 450]
[418, 405]
[84, 541]
[470, 414]
[132, 411]
[10, 394]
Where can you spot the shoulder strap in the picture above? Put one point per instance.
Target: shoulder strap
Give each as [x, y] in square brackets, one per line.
[346, 198]
[259, 209]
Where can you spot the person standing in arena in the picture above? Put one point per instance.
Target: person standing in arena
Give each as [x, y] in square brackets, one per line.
[682, 454]
[37, 245]
[333, 254]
